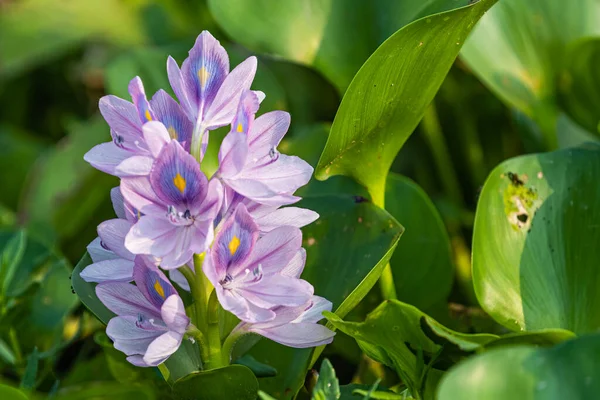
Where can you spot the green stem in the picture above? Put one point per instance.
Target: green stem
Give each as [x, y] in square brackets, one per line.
[229, 344]
[441, 156]
[215, 359]
[386, 280]
[199, 295]
[14, 341]
[198, 336]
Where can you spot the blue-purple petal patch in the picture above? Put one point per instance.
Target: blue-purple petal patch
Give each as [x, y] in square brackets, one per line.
[138, 95]
[173, 118]
[153, 284]
[235, 240]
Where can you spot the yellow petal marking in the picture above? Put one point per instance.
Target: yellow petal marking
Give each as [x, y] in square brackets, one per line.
[179, 182]
[233, 245]
[159, 289]
[147, 115]
[240, 127]
[172, 133]
[203, 75]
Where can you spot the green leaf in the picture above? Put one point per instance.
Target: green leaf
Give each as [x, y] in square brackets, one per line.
[335, 37]
[119, 367]
[389, 95]
[347, 249]
[259, 369]
[107, 391]
[87, 293]
[327, 386]
[232, 382]
[570, 134]
[567, 371]
[10, 393]
[541, 269]
[11, 259]
[64, 191]
[31, 371]
[579, 87]
[21, 24]
[6, 354]
[183, 362]
[422, 263]
[530, 41]
[402, 337]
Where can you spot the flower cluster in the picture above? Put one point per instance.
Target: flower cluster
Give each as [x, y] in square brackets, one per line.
[234, 228]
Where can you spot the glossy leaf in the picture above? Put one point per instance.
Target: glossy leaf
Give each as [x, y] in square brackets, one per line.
[422, 263]
[232, 382]
[579, 86]
[347, 249]
[259, 369]
[530, 41]
[87, 293]
[403, 338]
[567, 371]
[63, 27]
[327, 386]
[389, 95]
[541, 269]
[334, 36]
[8, 392]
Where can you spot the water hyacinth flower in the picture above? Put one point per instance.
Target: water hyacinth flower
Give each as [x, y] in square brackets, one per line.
[128, 153]
[249, 162]
[178, 206]
[246, 270]
[151, 320]
[168, 211]
[207, 91]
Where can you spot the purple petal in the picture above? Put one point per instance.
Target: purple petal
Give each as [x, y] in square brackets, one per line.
[244, 117]
[315, 313]
[138, 95]
[184, 239]
[176, 276]
[134, 166]
[235, 240]
[128, 337]
[118, 202]
[123, 119]
[284, 175]
[276, 249]
[106, 157]
[177, 124]
[156, 137]
[288, 216]
[233, 154]
[176, 177]
[151, 235]
[300, 335]
[153, 284]
[267, 131]
[162, 347]
[224, 106]
[98, 252]
[114, 270]
[125, 299]
[211, 204]
[205, 70]
[137, 360]
[173, 314]
[296, 265]
[138, 192]
[181, 89]
[277, 290]
[112, 233]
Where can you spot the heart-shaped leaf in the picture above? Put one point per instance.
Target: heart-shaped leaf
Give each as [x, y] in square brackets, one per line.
[579, 87]
[530, 41]
[335, 37]
[389, 95]
[566, 371]
[347, 249]
[541, 268]
[422, 263]
[232, 382]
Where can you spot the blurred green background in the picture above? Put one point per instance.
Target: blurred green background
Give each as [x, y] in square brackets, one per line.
[58, 57]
